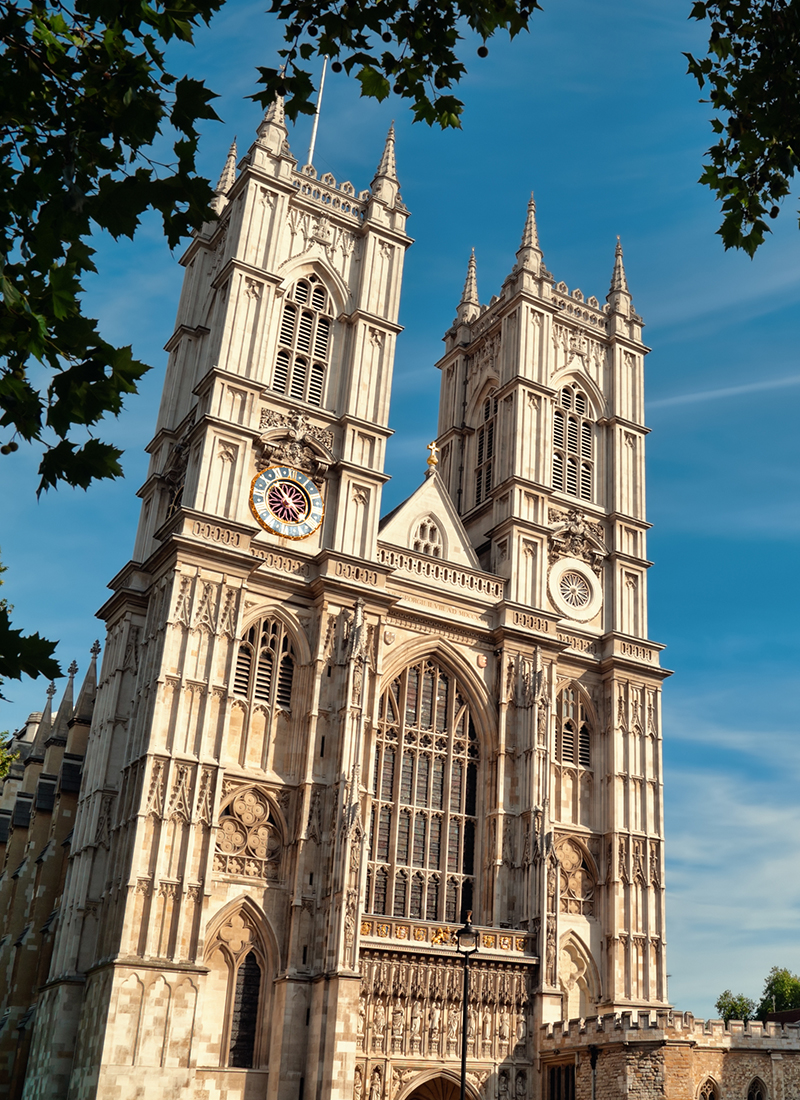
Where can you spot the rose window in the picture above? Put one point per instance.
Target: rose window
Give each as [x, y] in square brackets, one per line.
[249, 837]
[575, 590]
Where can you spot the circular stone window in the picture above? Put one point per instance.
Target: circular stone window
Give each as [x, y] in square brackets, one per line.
[575, 590]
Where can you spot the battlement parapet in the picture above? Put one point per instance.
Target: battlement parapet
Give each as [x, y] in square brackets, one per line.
[667, 1025]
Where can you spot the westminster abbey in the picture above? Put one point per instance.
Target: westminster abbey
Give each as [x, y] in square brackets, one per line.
[320, 737]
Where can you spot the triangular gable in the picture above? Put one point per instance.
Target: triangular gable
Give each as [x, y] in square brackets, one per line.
[428, 522]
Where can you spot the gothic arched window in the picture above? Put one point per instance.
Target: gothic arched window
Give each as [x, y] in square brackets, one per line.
[305, 337]
[424, 810]
[427, 538]
[265, 665]
[573, 444]
[573, 731]
[757, 1090]
[484, 449]
[708, 1090]
[238, 982]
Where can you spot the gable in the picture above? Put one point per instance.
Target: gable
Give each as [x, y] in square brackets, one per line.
[428, 523]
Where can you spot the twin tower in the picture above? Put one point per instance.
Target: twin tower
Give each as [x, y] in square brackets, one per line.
[321, 738]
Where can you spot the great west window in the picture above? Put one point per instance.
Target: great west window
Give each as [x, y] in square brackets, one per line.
[424, 812]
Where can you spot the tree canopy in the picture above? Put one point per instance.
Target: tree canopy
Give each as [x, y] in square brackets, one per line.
[781, 992]
[22, 654]
[752, 71]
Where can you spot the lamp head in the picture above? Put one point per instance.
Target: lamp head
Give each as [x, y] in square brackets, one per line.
[467, 937]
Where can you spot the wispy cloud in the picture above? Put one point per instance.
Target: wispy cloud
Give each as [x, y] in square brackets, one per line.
[725, 391]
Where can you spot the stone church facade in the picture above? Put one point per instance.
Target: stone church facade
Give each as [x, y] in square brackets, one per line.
[319, 738]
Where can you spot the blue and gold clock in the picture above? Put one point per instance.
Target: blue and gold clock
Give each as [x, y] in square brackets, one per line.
[287, 502]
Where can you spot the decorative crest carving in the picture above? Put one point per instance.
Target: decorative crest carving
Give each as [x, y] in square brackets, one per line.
[573, 535]
[293, 441]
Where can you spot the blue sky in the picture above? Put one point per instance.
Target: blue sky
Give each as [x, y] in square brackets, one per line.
[594, 113]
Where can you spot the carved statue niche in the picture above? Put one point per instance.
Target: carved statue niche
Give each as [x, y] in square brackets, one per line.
[292, 440]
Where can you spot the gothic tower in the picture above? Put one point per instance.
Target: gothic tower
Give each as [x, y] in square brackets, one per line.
[321, 739]
[541, 431]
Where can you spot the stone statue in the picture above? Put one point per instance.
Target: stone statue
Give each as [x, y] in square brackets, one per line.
[436, 1020]
[416, 1019]
[452, 1024]
[375, 1086]
[502, 1031]
[397, 1022]
[487, 1026]
[379, 1020]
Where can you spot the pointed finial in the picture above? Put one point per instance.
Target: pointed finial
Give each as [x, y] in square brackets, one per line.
[73, 668]
[433, 458]
[86, 696]
[226, 180]
[385, 184]
[530, 235]
[95, 650]
[470, 305]
[618, 280]
[388, 165]
[51, 690]
[529, 253]
[272, 132]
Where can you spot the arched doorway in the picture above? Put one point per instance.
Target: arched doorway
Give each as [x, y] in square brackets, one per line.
[436, 1088]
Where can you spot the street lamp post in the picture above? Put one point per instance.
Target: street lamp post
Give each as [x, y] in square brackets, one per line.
[467, 945]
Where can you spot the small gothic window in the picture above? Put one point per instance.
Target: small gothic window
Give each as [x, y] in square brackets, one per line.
[249, 837]
[245, 1013]
[573, 729]
[708, 1091]
[573, 444]
[577, 880]
[425, 794]
[264, 669]
[484, 454]
[304, 342]
[428, 538]
[757, 1090]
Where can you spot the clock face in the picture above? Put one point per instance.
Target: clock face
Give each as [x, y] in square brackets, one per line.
[286, 502]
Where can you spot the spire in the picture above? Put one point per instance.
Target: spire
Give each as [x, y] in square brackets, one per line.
[618, 280]
[619, 297]
[44, 728]
[272, 132]
[529, 253]
[385, 184]
[85, 704]
[388, 165]
[64, 716]
[470, 305]
[226, 180]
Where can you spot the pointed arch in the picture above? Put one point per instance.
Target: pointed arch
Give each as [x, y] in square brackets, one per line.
[484, 709]
[578, 977]
[304, 265]
[426, 1083]
[490, 385]
[427, 534]
[709, 1089]
[578, 877]
[241, 953]
[757, 1090]
[425, 774]
[569, 375]
[291, 623]
[251, 833]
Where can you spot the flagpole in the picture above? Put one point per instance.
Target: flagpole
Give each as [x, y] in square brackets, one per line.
[316, 112]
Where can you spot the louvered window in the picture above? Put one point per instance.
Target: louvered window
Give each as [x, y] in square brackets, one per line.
[304, 342]
[485, 449]
[264, 669]
[573, 444]
[573, 729]
[425, 785]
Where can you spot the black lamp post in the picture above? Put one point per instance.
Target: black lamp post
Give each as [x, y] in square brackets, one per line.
[467, 945]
